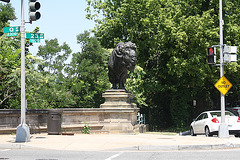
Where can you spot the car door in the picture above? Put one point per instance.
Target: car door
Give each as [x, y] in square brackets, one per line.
[200, 123]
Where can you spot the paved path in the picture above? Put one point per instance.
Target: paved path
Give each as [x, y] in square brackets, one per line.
[106, 142]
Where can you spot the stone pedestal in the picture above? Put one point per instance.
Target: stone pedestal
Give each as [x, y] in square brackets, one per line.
[117, 98]
[120, 114]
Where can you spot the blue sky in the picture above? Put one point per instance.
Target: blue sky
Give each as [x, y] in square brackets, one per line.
[63, 20]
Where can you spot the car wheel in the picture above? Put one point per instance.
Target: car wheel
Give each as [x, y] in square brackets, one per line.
[207, 132]
[237, 135]
[192, 132]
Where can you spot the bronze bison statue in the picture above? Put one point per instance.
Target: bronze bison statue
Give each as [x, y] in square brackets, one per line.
[122, 59]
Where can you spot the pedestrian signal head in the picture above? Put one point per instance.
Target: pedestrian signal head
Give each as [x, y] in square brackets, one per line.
[211, 55]
[211, 51]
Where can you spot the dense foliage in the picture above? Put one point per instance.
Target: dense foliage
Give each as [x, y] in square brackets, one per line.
[9, 60]
[87, 72]
[9, 73]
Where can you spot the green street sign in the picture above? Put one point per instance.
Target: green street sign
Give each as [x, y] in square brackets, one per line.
[11, 29]
[11, 34]
[35, 35]
[34, 40]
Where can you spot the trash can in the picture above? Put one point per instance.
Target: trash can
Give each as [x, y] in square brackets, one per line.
[54, 122]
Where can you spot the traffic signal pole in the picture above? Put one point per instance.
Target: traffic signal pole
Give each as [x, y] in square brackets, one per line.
[23, 133]
[22, 66]
[223, 128]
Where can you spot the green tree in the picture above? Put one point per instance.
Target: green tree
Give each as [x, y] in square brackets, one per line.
[9, 61]
[172, 37]
[87, 72]
[54, 56]
[9, 73]
[7, 12]
[135, 84]
[47, 88]
[44, 92]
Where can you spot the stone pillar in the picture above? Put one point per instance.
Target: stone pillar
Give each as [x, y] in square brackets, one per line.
[117, 98]
[119, 113]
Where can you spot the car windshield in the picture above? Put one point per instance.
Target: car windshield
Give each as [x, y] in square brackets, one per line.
[218, 114]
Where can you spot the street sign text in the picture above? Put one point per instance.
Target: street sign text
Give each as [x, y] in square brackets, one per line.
[11, 34]
[11, 29]
[35, 35]
[223, 85]
[34, 40]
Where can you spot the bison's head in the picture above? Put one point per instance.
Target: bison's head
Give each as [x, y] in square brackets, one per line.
[127, 52]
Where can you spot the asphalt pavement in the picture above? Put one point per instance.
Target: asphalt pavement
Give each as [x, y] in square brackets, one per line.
[120, 142]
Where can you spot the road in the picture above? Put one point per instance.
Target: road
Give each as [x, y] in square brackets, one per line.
[8, 154]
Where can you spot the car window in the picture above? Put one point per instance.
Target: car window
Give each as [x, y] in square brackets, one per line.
[229, 114]
[205, 116]
[218, 114]
[215, 114]
[202, 116]
[199, 117]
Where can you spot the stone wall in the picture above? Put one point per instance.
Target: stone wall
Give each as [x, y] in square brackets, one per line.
[116, 115]
[10, 118]
[107, 120]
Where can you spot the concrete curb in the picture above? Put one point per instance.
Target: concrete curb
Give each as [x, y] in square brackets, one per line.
[15, 146]
[142, 148]
[21, 146]
[179, 147]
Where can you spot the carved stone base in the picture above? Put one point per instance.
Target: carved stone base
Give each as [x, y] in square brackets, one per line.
[117, 98]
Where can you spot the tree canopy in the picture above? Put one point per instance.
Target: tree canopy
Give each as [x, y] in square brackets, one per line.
[9, 60]
[87, 72]
[6, 14]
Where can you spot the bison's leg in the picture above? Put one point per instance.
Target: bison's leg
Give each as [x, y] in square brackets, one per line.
[114, 86]
[122, 80]
[112, 77]
[121, 86]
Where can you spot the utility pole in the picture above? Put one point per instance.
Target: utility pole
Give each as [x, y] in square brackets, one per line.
[23, 133]
[223, 128]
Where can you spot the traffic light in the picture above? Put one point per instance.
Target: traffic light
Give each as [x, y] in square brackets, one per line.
[5, 1]
[211, 55]
[33, 13]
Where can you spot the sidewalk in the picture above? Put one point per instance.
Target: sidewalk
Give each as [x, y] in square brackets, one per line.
[120, 142]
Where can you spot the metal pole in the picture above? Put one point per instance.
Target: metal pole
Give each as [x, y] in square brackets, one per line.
[223, 128]
[23, 117]
[23, 133]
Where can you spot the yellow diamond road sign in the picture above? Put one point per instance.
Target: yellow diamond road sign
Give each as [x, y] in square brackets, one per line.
[223, 85]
